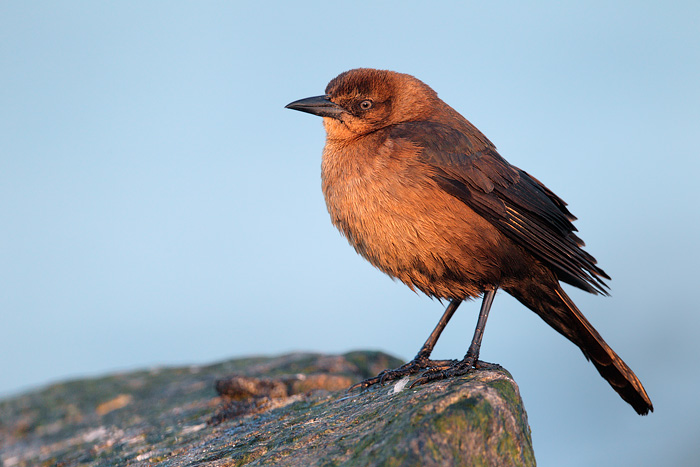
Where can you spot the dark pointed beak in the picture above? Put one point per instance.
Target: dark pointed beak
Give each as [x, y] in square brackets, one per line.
[319, 105]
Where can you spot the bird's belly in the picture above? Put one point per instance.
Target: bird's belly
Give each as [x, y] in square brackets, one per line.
[418, 234]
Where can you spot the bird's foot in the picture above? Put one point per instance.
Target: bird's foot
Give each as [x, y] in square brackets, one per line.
[455, 368]
[417, 365]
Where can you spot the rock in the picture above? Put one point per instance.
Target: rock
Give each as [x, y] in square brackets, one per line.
[286, 411]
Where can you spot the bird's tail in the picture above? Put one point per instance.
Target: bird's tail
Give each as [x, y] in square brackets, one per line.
[550, 302]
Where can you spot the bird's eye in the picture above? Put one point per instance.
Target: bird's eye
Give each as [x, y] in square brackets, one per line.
[366, 104]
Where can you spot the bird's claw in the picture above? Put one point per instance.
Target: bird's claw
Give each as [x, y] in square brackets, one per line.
[457, 368]
[417, 365]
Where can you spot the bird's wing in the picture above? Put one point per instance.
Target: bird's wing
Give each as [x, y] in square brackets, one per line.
[516, 203]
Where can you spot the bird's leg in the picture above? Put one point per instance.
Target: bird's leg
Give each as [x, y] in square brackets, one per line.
[422, 359]
[472, 355]
[471, 359]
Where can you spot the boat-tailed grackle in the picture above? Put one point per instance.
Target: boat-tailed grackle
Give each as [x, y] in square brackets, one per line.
[423, 195]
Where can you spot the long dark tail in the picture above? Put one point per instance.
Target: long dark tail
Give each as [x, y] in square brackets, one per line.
[550, 302]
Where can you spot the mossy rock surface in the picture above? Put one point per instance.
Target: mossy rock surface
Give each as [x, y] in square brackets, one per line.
[174, 417]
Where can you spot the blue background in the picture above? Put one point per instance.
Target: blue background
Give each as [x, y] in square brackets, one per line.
[159, 206]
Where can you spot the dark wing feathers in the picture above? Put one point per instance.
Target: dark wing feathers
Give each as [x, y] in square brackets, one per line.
[516, 203]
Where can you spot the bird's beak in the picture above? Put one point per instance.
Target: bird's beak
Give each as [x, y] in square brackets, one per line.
[319, 105]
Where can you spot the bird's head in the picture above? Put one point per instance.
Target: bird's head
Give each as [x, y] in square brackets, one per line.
[363, 100]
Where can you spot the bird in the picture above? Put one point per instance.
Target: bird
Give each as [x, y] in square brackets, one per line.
[425, 197]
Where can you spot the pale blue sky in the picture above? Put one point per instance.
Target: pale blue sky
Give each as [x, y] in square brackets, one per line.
[161, 207]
